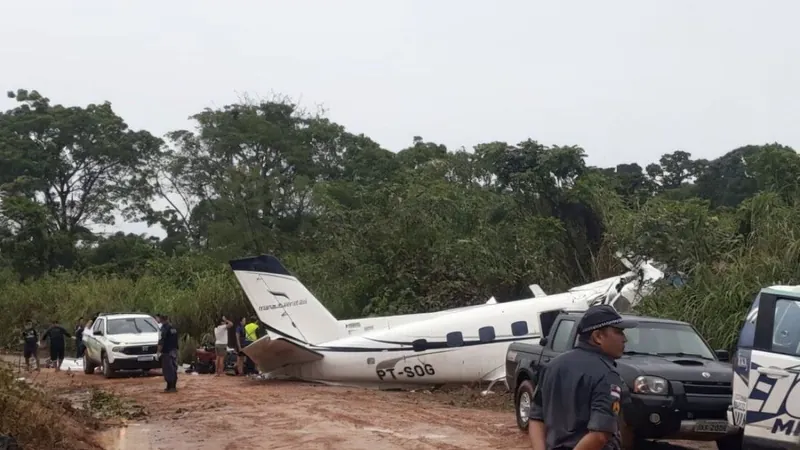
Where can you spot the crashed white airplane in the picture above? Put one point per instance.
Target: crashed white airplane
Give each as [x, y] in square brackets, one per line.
[464, 345]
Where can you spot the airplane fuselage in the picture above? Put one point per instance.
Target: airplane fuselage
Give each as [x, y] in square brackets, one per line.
[462, 345]
[397, 369]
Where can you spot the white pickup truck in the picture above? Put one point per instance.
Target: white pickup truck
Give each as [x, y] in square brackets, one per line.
[766, 380]
[121, 342]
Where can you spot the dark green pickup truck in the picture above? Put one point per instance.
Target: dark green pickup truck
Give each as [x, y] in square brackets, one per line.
[678, 387]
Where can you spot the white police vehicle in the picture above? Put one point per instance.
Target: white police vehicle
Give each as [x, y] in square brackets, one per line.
[121, 342]
[766, 380]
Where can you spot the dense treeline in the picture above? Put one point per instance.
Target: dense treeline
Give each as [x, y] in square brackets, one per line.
[369, 230]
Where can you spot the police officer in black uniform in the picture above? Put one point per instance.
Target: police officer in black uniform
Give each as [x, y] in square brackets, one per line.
[168, 352]
[577, 402]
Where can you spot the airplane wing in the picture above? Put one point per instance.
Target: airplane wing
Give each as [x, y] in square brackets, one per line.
[271, 354]
[537, 290]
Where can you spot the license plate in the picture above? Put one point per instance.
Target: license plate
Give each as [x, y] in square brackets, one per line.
[711, 427]
[145, 358]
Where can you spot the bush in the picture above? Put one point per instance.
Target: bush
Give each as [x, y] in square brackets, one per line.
[38, 420]
[192, 295]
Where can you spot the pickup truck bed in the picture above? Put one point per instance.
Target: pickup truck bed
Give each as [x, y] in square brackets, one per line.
[683, 387]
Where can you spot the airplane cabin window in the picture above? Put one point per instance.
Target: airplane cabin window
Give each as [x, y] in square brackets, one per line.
[486, 334]
[561, 339]
[786, 331]
[519, 328]
[455, 339]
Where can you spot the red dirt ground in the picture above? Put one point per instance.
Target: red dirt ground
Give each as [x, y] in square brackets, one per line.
[236, 412]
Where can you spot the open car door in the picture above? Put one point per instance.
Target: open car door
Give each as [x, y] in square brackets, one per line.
[766, 397]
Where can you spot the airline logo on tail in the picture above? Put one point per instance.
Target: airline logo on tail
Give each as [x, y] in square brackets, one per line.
[289, 303]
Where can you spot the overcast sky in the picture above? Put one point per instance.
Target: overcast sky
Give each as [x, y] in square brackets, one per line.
[626, 80]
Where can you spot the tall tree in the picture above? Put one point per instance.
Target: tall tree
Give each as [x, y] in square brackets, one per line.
[67, 168]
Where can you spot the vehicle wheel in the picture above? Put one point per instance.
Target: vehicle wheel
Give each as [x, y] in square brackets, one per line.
[522, 401]
[88, 366]
[107, 371]
[730, 442]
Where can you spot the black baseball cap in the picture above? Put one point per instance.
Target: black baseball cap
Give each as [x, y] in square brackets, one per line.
[601, 316]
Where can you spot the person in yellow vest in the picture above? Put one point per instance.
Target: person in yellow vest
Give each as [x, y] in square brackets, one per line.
[250, 331]
[250, 336]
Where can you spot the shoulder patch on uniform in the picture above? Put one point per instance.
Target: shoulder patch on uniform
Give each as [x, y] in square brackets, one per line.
[615, 406]
[172, 331]
[616, 392]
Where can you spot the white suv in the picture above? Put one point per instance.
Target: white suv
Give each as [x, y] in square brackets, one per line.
[766, 380]
[121, 342]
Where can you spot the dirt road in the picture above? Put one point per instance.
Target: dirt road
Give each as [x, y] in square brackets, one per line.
[237, 412]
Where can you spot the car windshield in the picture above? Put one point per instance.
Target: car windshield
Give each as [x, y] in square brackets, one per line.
[132, 325]
[666, 339]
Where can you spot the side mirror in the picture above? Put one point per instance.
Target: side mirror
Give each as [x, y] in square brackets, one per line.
[723, 355]
[98, 333]
[543, 341]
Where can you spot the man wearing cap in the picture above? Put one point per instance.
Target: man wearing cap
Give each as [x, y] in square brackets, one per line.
[579, 392]
[168, 353]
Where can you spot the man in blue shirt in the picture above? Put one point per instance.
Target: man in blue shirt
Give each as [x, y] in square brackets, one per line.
[168, 352]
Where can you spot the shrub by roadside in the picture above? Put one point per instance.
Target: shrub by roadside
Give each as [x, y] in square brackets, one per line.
[39, 420]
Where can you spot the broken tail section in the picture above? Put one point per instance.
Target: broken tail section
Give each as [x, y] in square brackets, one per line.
[283, 303]
[272, 354]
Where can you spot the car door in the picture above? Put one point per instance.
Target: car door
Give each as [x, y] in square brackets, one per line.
[772, 410]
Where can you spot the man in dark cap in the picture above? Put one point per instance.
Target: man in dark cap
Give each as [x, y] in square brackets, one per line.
[579, 392]
[168, 352]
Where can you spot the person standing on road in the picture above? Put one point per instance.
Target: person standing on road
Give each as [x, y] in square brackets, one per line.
[251, 334]
[56, 334]
[577, 400]
[79, 338]
[221, 345]
[30, 345]
[233, 342]
[168, 353]
[244, 341]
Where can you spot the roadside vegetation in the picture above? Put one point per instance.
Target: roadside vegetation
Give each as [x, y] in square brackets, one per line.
[38, 419]
[370, 231]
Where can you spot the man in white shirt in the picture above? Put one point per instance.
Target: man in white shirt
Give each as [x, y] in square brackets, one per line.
[221, 345]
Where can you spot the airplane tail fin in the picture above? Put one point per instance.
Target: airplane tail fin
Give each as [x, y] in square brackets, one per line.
[285, 306]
